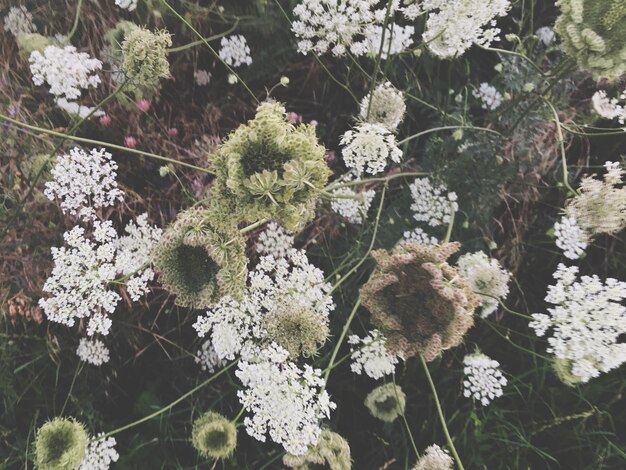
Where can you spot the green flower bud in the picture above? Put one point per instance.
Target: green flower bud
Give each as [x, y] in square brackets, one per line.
[270, 169]
[60, 444]
[332, 452]
[593, 33]
[144, 55]
[386, 402]
[214, 436]
[201, 260]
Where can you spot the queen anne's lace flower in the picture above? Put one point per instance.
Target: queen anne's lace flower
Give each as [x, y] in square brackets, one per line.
[570, 237]
[483, 379]
[333, 25]
[207, 358]
[93, 351]
[600, 206]
[434, 458]
[370, 355]
[609, 108]
[419, 236]
[486, 278]
[65, 70]
[78, 284]
[129, 5]
[276, 287]
[100, 454]
[349, 203]
[585, 322]
[490, 97]
[235, 50]
[397, 39]
[387, 106]
[546, 35]
[84, 182]
[454, 25]
[286, 402]
[19, 20]
[275, 241]
[432, 203]
[368, 148]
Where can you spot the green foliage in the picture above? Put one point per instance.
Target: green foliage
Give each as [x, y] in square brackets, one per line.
[593, 33]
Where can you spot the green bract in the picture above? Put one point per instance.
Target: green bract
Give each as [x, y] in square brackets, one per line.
[201, 260]
[386, 402]
[332, 451]
[214, 436]
[60, 444]
[420, 303]
[144, 56]
[270, 169]
[593, 33]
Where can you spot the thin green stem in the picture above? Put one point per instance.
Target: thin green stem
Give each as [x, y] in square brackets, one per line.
[384, 179]
[450, 227]
[344, 332]
[171, 405]
[444, 128]
[76, 20]
[203, 40]
[378, 59]
[406, 423]
[440, 413]
[559, 131]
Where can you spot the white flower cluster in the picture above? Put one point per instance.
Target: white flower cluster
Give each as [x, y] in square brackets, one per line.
[84, 182]
[93, 351]
[586, 322]
[454, 25]
[202, 77]
[286, 402]
[100, 454]
[419, 236]
[490, 97]
[79, 280]
[609, 108]
[600, 205]
[275, 241]
[129, 5]
[369, 148]
[235, 50]
[397, 39]
[570, 237]
[134, 253]
[207, 358]
[19, 20]
[434, 458]
[274, 285]
[387, 106]
[66, 71]
[483, 379]
[349, 203]
[432, 203]
[485, 276]
[72, 107]
[546, 35]
[323, 25]
[370, 355]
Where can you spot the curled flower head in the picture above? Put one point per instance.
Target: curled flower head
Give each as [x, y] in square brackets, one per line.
[418, 301]
[386, 402]
[200, 261]
[594, 35]
[145, 56]
[297, 328]
[331, 451]
[60, 444]
[214, 436]
[271, 169]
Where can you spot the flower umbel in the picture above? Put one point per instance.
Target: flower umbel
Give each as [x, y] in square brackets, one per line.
[214, 436]
[60, 444]
[386, 402]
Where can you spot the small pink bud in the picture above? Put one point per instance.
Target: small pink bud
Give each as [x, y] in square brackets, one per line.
[172, 132]
[314, 123]
[105, 120]
[294, 117]
[143, 105]
[330, 155]
[130, 142]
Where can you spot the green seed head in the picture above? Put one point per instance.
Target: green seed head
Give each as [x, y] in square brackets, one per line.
[331, 452]
[60, 444]
[386, 402]
[214, 436]
[144, 54]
